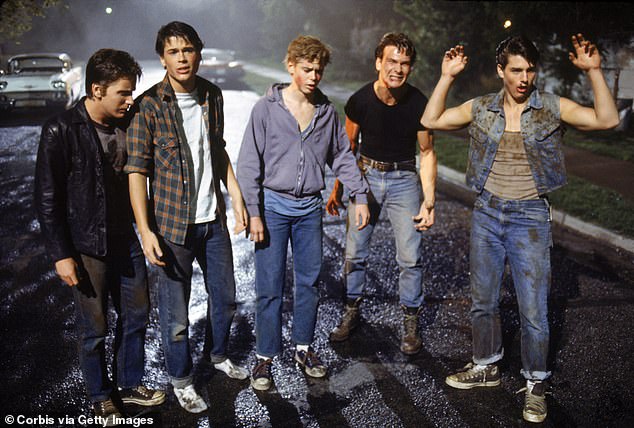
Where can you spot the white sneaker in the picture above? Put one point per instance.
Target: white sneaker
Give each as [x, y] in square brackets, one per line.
[232, 370]
[189, 399]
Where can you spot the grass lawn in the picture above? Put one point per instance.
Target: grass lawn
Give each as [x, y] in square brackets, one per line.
[578, 198]
[618, 145]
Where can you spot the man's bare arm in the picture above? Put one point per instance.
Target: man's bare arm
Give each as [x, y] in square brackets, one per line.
[428, 172]
[138, 199]
[436, 115]
[334, 201]
[604, 115]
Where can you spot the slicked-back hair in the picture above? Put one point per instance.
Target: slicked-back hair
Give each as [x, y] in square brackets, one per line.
[516, 45]
[399, 40]
[179, 30]
[109, 65]
[307, 48]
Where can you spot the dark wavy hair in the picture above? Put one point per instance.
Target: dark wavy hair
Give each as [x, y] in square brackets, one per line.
[516, 45]
[177, 29]
[400, 41]
[108, 65]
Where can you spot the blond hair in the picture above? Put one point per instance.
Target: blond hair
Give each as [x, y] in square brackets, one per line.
[307, 48]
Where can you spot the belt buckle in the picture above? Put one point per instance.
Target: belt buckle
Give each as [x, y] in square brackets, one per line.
[382, 166]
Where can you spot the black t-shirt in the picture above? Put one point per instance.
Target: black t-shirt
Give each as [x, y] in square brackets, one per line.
[113, 143]
[388, 133]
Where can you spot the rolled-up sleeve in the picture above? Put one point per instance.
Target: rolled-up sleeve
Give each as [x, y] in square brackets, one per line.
[139, 144]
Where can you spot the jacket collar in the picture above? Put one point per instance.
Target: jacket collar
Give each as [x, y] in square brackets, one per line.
[274, 94]
[166, 93]
[534, 102]
[80, 115]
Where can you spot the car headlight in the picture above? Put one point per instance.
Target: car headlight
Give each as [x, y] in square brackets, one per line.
[3, 85]
[58, 84]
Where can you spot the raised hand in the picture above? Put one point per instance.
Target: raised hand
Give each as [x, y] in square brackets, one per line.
[454, 61]
[586, 55]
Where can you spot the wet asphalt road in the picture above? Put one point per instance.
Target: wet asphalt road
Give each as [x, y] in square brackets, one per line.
[370, 383]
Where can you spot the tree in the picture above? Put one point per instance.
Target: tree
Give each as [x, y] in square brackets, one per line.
[439, 25]
[16, 16]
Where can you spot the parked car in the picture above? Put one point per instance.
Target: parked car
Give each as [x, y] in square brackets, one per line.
[40, 80]
[219, 65]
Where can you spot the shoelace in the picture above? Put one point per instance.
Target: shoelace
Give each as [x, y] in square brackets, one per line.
[411, 322]
[350, 314]
[472, 371]
[310, 359]
[189, 394]
[533, 401]
[143, 391]
[106, 407]
[263, 369]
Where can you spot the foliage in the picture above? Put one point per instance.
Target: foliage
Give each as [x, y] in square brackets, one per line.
[17, 16]
[439, 25]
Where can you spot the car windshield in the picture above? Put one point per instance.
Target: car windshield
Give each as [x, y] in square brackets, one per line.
[37, 63]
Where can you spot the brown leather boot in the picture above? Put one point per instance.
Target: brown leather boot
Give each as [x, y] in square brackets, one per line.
[349, 321]
[411, 343]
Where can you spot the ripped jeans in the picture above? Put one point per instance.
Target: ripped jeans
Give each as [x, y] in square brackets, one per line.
[520, 232]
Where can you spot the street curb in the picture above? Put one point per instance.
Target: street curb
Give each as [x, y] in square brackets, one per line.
[457, 179]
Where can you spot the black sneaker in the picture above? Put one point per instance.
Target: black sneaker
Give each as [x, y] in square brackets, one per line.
[108, 413]
[473, 376]
[535, 408]
[261, 378]
[310, 362]
[142, 396]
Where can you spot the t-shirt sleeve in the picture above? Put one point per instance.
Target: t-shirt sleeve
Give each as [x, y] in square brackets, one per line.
[352, 108]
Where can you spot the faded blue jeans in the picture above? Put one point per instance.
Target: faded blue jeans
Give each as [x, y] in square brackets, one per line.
[304, 233]
[399, 193]
[520, 232]
[210, 245]
[122, 275]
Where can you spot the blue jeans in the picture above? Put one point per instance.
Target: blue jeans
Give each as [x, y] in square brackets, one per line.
[398, 192]
[210, 245]
[122, 275]
[517, 231]
[304, 233]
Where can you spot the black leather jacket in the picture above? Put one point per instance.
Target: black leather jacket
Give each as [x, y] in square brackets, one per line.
[70, 191]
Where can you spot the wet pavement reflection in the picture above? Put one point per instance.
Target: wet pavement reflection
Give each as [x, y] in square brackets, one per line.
[370, 383]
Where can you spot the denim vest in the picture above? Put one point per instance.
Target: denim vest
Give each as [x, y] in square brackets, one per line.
[542, 133]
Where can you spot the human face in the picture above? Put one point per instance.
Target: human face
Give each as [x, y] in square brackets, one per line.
[305, 75]
[181, 60]
[518, 77]
[114, 100]
[393, 67]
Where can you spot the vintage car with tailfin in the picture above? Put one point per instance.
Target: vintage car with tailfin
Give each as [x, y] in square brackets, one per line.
[40, 80]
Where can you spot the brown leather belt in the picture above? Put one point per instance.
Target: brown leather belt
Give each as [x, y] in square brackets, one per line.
[408, 165]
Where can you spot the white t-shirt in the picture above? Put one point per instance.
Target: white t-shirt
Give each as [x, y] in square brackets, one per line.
[199, 157]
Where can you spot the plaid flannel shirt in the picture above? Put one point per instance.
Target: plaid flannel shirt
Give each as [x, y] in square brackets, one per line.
[155, 140]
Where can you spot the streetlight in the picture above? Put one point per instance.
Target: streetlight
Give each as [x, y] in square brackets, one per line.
[108, 10]
[507, 24]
